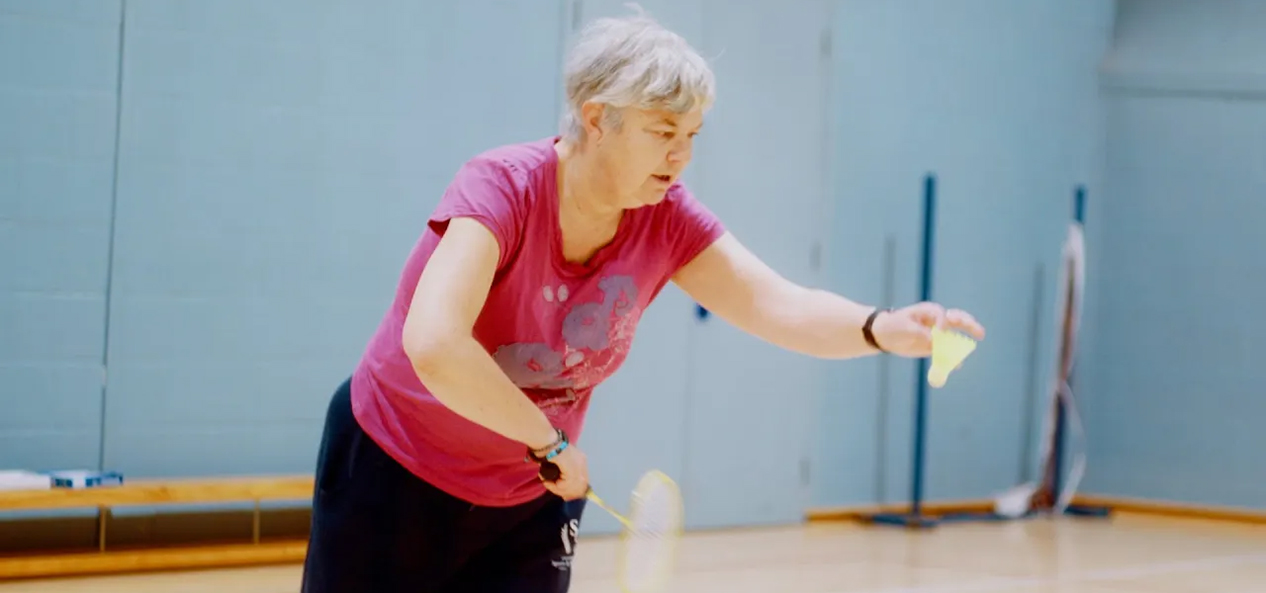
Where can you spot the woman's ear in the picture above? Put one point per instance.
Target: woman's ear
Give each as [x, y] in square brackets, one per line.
[591, 117]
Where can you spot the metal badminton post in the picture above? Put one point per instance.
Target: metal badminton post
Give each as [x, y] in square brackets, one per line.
[915, 517]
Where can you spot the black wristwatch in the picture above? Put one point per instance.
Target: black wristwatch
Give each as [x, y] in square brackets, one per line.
[868, 332]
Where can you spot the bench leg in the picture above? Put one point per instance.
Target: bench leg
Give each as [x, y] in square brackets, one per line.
[103, 516]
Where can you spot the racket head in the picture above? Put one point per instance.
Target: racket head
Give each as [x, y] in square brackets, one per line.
[648, 544]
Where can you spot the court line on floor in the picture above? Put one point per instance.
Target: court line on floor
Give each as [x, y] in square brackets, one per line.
[1107, 574]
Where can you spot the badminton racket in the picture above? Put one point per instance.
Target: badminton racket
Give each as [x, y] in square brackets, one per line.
[650, 531]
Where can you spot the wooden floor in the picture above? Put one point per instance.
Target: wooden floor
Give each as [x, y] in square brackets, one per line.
[1129, 554]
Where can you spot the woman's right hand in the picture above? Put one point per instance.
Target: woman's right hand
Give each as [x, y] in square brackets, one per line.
[573, 474]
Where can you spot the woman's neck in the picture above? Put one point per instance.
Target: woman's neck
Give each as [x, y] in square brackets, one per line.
[581, 196]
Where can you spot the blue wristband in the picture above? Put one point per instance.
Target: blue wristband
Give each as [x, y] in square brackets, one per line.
[552, 451]
[559, 449]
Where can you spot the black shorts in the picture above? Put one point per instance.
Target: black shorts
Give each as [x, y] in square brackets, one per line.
[377, 528]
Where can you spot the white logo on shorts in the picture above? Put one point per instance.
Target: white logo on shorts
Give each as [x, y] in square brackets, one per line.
[568, 534]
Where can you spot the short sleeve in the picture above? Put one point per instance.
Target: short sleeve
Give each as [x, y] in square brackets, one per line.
[691, 227]
[484, 189]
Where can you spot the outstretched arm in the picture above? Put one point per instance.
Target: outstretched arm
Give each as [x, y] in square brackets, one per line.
[731, 281]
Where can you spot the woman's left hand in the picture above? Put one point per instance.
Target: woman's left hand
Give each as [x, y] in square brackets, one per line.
[908, 331]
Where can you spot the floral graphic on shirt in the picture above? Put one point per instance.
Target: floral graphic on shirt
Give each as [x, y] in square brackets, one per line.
[596, 336]
[589, 325]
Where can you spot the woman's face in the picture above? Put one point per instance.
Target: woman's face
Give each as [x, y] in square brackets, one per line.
[646, 153]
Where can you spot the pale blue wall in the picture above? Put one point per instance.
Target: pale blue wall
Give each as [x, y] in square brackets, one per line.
[329, 138]
[1172, 388]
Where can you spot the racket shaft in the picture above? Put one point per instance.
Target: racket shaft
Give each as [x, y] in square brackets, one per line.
[601, 503]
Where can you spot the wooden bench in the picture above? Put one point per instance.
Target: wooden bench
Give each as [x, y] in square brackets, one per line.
[151, 493]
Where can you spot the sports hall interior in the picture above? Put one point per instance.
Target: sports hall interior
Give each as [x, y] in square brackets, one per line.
[204, 206]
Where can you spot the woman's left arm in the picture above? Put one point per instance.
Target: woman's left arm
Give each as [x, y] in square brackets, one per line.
[729, 280]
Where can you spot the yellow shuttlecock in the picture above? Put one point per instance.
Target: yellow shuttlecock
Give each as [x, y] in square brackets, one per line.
[949, 350]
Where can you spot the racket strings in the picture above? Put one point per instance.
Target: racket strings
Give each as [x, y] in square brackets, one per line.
[650, 540]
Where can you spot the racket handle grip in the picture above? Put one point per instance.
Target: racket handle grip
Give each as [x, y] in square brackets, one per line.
[550, 472]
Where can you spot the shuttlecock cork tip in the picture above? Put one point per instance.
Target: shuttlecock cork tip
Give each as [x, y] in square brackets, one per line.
[937, 377]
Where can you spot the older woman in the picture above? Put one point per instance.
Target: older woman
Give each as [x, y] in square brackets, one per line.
[520, 297]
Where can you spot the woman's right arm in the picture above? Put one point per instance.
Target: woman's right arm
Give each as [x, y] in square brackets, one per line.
[439, 341]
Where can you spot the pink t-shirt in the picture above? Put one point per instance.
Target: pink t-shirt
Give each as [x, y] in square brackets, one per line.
[557, 329]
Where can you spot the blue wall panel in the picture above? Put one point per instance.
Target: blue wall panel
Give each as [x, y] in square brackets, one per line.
[58, 89]
[762, 170]
[277, 162]
[1172, 397]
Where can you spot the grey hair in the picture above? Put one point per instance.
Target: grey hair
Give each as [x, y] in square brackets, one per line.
[633, 61]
